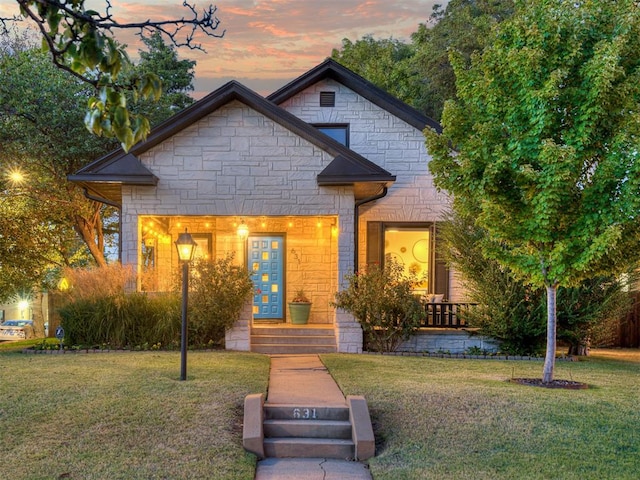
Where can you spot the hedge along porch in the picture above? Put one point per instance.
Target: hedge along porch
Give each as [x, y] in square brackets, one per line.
[285, 254]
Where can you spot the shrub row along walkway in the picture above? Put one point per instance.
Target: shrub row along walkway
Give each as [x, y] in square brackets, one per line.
[303, 379]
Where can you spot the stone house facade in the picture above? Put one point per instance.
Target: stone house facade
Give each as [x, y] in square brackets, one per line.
[324, 176]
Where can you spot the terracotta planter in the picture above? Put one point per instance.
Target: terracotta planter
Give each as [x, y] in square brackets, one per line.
[299, 312]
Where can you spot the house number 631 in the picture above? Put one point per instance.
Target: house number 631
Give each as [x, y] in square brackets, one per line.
[305, 413]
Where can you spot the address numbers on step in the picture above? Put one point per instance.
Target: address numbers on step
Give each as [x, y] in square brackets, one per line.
[305, 413]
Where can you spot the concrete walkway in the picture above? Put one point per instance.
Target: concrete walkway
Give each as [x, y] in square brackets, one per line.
[304, 380]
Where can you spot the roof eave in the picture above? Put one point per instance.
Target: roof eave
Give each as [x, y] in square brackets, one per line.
[332, 69]
[346, 180]
[115, 179]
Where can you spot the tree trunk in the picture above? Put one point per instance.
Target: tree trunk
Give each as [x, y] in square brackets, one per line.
[550, 357]
[37, 309]
[92, 238]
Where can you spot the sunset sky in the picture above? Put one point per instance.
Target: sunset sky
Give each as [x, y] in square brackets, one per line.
[268, 43]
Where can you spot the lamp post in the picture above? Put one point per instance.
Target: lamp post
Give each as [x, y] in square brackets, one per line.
[186, 248]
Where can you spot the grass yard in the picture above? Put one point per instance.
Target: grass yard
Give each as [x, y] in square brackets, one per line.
[461, 419]
[126, 415]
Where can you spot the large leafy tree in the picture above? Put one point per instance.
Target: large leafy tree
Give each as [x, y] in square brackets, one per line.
[463, 26]
[383, 62]
[47, 222]
[419, 73]
[80, 41]
[42, 137]
[546, 129]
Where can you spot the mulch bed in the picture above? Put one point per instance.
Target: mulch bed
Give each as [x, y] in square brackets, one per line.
[537, 382]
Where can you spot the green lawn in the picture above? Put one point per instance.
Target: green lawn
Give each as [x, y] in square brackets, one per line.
[126, 415]
[461, 419]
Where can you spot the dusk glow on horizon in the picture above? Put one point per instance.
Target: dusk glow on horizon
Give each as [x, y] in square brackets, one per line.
[269, 43]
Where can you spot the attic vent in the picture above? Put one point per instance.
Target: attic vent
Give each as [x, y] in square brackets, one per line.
[327, 99]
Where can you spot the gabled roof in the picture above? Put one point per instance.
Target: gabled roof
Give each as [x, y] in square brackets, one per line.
[332, 69]
[121, 168]
[106, 176]
[116, 167]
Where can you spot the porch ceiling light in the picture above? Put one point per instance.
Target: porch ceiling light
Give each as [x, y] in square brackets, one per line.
[186, 246]
[243, 231]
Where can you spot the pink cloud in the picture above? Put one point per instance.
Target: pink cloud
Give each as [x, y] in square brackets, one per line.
[272, 39]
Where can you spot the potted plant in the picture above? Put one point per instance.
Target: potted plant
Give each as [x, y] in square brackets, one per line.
[299, 308]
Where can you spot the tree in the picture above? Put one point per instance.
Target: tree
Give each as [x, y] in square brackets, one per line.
[176, 75]
[420, 73]
[80, 42]
[546, 132]
[382, 62]
[43, 137]
[463, 26]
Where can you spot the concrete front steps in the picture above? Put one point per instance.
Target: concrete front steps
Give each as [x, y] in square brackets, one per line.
[291, 339]
[299, 432]
[290, 431]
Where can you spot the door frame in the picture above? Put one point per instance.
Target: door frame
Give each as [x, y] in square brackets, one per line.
[283, 236]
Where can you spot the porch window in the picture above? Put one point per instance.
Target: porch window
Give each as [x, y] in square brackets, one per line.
[337, 131]
[415, 247]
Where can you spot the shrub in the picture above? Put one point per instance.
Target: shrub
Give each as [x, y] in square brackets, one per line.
[381, 299]
[590, 314]
[95, 310]
[218, 291]
[122, 320]
[91, 283]
[515, 313]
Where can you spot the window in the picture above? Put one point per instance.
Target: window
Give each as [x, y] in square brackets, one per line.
[337, 131]
[411, 248]
[412, 245]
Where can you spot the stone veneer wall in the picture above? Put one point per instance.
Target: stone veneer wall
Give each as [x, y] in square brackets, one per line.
[238, 162]
[388, 142]
[436, 340]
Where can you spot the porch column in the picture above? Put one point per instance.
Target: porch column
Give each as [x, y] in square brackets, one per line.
[239, 336]
[348, 330]
[348, 333]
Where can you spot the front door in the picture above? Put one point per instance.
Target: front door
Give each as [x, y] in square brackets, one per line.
[266, 262]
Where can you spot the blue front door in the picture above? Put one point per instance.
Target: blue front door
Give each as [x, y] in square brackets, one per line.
[266, 261]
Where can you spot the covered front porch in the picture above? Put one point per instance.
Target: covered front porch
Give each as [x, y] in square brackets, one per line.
[284, 255]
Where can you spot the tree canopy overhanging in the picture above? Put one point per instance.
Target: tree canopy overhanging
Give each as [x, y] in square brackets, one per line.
[46, 222]
[81, 42]
[541, 143]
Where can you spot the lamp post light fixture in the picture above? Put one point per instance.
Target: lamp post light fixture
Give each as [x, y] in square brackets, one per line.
[186, 246]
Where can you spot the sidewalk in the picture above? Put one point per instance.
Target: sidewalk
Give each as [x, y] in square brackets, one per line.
[303, 379]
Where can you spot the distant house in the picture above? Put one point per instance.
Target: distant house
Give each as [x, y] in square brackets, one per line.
[325, 175]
